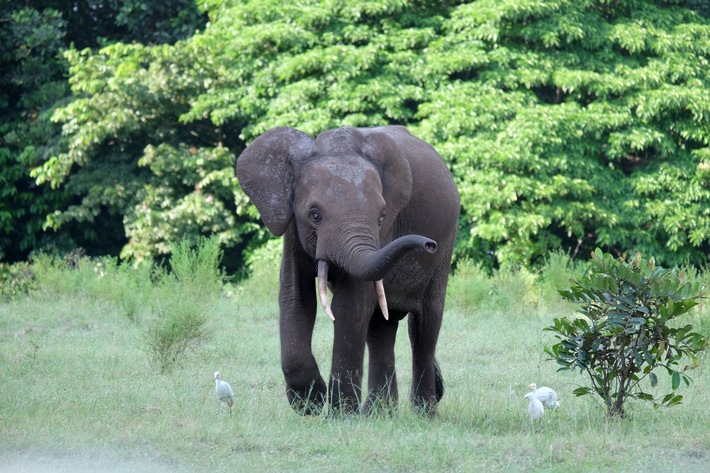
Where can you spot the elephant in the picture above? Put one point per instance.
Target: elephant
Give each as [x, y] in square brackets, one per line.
[371, 214]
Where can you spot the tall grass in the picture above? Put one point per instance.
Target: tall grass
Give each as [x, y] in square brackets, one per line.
[77, 385]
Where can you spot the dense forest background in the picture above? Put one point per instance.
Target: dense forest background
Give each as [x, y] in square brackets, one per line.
[568, 124]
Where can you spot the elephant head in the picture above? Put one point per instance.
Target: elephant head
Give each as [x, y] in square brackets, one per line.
[344, 191]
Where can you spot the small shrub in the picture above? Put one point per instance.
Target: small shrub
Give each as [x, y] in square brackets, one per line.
[627, 330]
[179, 326]
[469, 287]
[557, 273]
[260, 280]
[198, 268]
[513, 289]
[54, 277]
[182, 300]
[127, 287]
[16, 280]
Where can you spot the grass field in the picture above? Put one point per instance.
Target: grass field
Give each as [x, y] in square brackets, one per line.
[78, 392]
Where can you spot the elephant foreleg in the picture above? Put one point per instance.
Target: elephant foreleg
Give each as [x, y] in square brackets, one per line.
[353, 301]
[382, 378]
[305, 388]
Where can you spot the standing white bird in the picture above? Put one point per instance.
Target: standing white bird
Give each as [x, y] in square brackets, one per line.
[546, 395]
[535, 409]
[224, 392]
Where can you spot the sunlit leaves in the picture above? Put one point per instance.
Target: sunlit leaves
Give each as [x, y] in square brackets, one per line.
[608, 95]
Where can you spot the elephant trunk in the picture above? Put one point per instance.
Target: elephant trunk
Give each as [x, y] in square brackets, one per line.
[372, 266]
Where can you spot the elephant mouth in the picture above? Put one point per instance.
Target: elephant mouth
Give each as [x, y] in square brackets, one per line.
[373, 266]
[323, 292]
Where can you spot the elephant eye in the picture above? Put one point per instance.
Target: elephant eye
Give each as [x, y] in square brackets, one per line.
[315, 215]
[382, 218]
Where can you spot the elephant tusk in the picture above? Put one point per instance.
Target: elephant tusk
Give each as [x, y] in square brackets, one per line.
[380, 288]
[323, 288]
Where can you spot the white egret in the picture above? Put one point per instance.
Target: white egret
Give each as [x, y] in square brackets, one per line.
[224, 392]
[546, 395]
[535, 409]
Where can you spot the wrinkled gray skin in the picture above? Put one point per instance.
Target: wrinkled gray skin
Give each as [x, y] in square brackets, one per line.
[372, 203]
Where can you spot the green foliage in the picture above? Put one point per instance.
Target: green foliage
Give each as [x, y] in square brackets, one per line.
[182, 302]
[628, 329]
[16, 280]
[33, 37]
[557, 273]
[575, 125]
[33, 80]
[181, 327]
[59, 276]
[197, 268]
[568, 125]
[470, 287]
[127, 287]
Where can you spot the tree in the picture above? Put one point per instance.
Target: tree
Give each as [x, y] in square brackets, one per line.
[572, 125]
[31, 43]
[33, 37]
[568, 124]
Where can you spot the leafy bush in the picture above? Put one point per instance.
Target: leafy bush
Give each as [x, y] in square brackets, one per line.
[182, 302]
[125, 286]
[197, 269]
[70, 274]
[470, 287]
[15, 280]
[514, 286]
[628, 330]
[557, 273]
[179, 327]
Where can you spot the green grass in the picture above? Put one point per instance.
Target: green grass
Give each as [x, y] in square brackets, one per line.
[77, 389]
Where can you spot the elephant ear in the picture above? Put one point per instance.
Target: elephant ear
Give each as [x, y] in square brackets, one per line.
[265, 170]
[382, 150]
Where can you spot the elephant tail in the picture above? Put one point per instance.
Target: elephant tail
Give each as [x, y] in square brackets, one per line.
[438, 381]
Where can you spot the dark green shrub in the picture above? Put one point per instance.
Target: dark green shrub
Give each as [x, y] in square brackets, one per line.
[628, 329]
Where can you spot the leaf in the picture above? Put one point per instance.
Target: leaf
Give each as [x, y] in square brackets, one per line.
[675, 380]
[653, 378]
[671, 400]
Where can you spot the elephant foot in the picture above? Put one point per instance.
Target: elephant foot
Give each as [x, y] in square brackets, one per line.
[377, 405]
[344, 399]
[307, 402]
[426, 407]
[425, 401]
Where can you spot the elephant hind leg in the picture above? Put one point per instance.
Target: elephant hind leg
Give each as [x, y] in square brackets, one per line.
[438, 381]
[427, 380]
